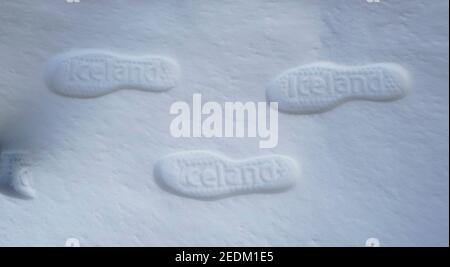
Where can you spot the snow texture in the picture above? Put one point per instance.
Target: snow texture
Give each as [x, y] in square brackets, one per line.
[369, 169]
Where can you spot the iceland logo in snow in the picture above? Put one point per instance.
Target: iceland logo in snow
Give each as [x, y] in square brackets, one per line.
[236, 119]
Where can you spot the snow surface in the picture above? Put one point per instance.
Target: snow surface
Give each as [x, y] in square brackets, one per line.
[369, 170]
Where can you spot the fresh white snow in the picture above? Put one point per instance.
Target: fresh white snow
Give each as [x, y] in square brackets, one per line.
[369, 169]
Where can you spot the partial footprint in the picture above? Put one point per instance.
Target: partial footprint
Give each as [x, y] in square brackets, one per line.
[15, 173]
[92, 73]
[321, 86]
[205, 175]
